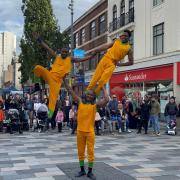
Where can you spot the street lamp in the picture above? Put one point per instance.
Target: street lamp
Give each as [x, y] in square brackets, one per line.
[71, 7]
[14, 68]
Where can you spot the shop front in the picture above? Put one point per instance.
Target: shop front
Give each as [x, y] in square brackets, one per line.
[137, 83]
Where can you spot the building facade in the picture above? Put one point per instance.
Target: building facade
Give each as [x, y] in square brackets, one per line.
[155, 27]
[7, 50]
[90, 32]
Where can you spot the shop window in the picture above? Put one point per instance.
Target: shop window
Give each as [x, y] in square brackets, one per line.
[82, 36]
[92, 30]
[157, 2]
[114, 17]
[158, 39]
[102, 24]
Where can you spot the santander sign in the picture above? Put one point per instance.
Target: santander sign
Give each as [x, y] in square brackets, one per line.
[137, 77]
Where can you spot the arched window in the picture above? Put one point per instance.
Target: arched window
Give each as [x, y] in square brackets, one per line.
[122, 11]
[131, 10]
[114, 17]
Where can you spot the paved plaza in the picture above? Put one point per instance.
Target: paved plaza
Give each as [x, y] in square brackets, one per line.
[53, 156]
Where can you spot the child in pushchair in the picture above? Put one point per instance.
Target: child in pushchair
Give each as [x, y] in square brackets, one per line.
[12, 121]
[41, 118]
[171, 127]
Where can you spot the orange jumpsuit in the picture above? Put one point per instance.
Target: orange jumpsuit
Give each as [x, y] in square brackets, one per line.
[54, 78]
[107, 65]
[85, 132]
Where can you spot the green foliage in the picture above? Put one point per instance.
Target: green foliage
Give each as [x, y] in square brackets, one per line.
[38, 17]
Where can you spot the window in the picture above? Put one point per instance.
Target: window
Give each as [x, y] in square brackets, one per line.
[93, 63]
[158, 39]
[92, 30]
[122, 16]
[131, 40]
[131, 4]
[114, 17]
[76, 40]
[82, 39]
[131, 10]
[102, 24]
[157, 2]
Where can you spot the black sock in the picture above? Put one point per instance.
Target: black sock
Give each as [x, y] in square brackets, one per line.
[89, 170]
[82, 168]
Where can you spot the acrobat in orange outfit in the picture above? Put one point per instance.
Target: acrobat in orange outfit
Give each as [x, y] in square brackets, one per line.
[61, 67]
[85, 127]
[118, 50]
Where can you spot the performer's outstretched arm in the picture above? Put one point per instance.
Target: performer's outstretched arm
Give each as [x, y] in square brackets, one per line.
[70, 91]
[78, 60]
[43, 44]
[130, 62]
[104, 101]
[103, 48]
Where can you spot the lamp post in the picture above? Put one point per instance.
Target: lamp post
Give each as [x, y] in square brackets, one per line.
[71, 7]
[14, 68]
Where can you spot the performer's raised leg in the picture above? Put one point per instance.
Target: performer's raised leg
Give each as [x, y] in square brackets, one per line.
[54, 89]
[105, 77]
[42, 72]
[96, 76]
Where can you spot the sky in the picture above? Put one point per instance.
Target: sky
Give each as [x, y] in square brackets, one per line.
[11, 18]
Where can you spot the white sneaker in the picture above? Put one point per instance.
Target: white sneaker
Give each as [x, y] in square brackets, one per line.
[128, 131]
[120, 131]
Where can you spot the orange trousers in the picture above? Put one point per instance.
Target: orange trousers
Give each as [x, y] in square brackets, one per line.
[83, 139]
[102, 74]
[54, 83]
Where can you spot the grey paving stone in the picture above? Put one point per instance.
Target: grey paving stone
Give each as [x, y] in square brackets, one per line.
[169, 168]
[129, 167]
[166, 178]
[101, 170]
[30, 171]
[61, 178]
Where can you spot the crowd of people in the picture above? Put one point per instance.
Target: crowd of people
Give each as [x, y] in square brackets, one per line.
[116, 117]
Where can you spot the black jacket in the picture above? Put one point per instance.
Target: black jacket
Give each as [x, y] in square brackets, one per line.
[171, 109]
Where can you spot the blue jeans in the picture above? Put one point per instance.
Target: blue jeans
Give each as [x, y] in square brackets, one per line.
[155, 123]
[119, 120]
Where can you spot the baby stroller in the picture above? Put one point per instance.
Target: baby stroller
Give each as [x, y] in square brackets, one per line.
[171, 127]
[40, 122]
[12, 122]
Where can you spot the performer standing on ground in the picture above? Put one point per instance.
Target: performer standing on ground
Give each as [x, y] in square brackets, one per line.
[118, 50]
[85, 126]
[62, 65]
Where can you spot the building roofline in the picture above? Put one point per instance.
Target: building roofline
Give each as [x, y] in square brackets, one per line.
[85, 14]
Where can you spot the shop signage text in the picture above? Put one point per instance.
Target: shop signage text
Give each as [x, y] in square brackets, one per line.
[131, 77]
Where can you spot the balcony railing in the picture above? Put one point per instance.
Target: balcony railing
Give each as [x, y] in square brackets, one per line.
[123, 20]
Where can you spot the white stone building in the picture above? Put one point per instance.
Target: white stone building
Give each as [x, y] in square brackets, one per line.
[155, 26]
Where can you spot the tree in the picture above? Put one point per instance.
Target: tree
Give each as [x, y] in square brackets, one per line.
[38, 16]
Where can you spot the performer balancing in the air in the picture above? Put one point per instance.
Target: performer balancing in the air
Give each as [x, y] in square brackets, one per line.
[85, 126]
[62, 66]
[116, 52]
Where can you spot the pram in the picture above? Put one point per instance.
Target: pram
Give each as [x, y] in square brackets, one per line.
[41, 118]
[171, 127]
[12, 121]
